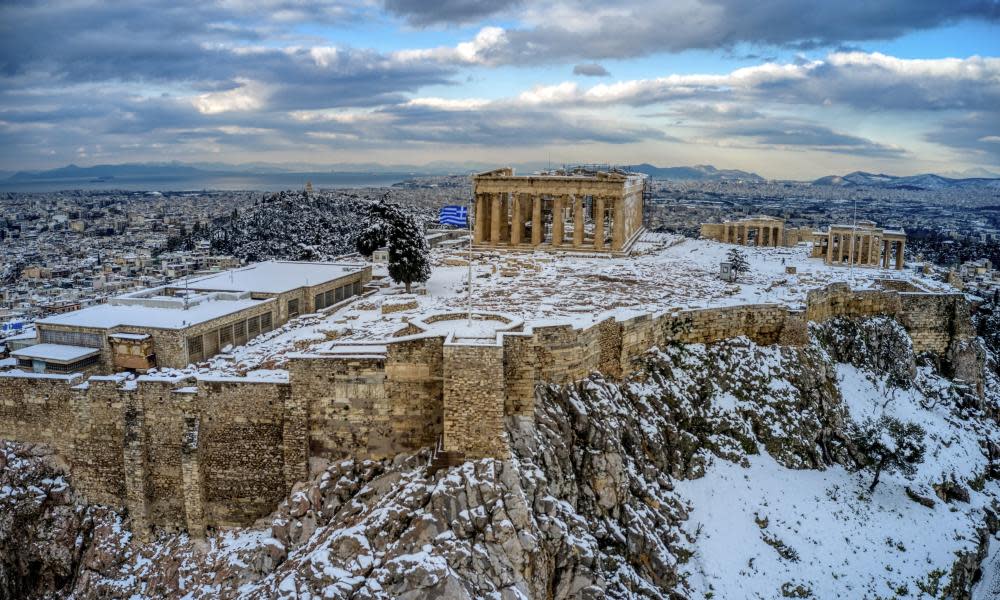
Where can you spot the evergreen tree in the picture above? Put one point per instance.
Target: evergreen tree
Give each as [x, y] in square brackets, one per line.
[889, 444]
[738, 261]
[388, 226]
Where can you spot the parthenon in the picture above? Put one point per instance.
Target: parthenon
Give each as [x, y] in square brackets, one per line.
[565, 210]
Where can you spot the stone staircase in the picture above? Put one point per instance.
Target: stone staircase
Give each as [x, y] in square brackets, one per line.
[443, 459]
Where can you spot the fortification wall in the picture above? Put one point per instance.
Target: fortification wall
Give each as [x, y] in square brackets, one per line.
[98, 433]
[474, 400]
[935, 320]
[240, 448]
[38, 409]
[187, 453]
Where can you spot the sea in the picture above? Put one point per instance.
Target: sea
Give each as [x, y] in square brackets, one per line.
[209, 181]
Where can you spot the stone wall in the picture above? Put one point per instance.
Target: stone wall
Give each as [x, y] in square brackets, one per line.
[193, 453]
[474, 400]
[38, 409]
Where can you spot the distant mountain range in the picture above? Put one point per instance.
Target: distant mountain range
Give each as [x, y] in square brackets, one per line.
[926, 181]
[176, 170]
[169, 171]
[696, 173]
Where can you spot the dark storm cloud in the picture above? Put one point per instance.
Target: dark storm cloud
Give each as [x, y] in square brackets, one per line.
[200, 44]
[422, 12]
[642, 27]
[591, 70]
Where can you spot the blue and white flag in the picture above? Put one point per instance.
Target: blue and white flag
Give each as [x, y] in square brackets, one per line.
[454, 215]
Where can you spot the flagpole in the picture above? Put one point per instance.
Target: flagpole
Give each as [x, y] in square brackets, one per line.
[469, 287]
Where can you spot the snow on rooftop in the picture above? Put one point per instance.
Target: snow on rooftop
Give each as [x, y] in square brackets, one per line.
[106, 316]
[130, 336]
[272, 277]
[56, 353]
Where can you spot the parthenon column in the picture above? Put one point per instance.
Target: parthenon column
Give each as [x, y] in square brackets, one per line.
[829, 248]
[516, 222]
[481, 218]
[850, 247]
[494, 218]
[617, 224]
[577, 221]
[537, 227]
[505, 200]
[778, 231]
[599, 223]
[557, 221]
[885, 254]
[899, 255]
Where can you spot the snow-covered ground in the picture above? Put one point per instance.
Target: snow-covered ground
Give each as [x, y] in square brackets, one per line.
[665, 272]
[767, 531]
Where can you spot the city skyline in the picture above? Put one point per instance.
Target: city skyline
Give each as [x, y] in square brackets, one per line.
[781, 90]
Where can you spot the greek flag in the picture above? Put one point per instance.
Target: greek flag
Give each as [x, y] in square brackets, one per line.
[453, 215]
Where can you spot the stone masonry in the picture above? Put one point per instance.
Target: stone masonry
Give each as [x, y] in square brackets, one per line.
[201, 452]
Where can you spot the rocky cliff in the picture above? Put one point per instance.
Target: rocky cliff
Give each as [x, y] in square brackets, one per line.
[718, 471]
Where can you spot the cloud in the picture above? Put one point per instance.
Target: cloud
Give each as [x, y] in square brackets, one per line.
[793, 133]
[591, 70]
[865, 81]
[421, 12]
[559, 30]
[727, 124]
[976, 134]
[250, 95]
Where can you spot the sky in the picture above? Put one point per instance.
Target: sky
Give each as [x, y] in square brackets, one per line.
[785, 88]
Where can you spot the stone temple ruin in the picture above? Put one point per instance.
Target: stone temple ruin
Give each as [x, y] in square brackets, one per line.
[861, 244]
[578, 209]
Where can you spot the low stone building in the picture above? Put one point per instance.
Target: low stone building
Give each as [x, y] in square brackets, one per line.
[582, 210]
[193, 319]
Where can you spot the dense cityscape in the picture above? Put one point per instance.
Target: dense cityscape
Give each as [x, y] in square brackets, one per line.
[65, 250]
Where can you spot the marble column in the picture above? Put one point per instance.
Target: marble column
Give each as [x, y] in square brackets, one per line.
[577, 221]
[899, 255]
[516, 222]
[505, 200]
[617, 224]
[558, 220]
[481, 219]
[599, 223]
[494, 218]
[537, 226]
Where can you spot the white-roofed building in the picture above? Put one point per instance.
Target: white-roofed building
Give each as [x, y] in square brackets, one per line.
[193, 319]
